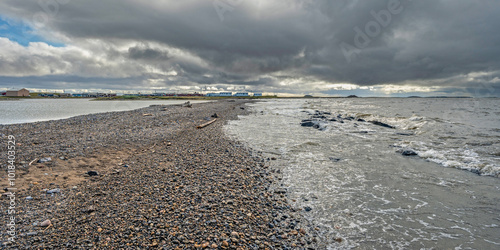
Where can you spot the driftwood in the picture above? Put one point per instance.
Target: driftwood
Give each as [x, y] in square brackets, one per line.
[31, 162]
[206, 124]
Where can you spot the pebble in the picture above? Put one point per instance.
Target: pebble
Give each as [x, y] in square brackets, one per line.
[45, 223]
[53, 191]
[93, 173]
[44, 160]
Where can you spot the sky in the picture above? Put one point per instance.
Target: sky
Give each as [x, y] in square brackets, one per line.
[284, 47]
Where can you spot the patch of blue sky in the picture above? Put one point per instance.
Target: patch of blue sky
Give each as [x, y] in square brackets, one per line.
[22, 33]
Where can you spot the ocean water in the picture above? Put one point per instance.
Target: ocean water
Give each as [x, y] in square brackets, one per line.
[34, 110]
[363, 192]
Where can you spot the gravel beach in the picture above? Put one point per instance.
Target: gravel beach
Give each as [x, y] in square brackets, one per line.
[146, 178]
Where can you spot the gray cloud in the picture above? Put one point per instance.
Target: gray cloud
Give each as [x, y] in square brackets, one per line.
[292, 46]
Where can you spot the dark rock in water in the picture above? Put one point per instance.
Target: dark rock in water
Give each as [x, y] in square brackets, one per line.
[408, 152]
[215, 115]
[335, 159]
[406, 134]
[361, 132]
[333, 120]
[125, 166]
[316, 126]
[382, 124]
[319, 116]
[93, 173]
[361, 120]
[307, 209]
[350, 118]
[242, 108]
[475, 171]
[307, 124]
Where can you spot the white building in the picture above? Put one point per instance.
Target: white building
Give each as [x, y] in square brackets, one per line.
[241, 94]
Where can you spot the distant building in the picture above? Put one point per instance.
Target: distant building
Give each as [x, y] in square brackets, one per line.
[21, 92]
[65, 95]
[257, 94]
[241, 94]
[226, 94]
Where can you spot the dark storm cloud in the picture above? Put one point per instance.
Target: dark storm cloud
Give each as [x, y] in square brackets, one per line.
[140, 53]
[265, 43]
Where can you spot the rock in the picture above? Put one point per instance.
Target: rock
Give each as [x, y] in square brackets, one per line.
[215, 115]
[335, 159]
[93, 173]
[29, 198]
[225, 244]
[45, 223]
[405, 134]
[382, 124]
[44, 160]
[408, 152]
[307, 124]
[125, 166]
[62, 158]
[205, 245]
[280, 191]
[307, 209]
[235, 234]
[54, 191]
[214, 245]
[31, 234]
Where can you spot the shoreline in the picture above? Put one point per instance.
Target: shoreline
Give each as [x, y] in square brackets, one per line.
[30, 115]
[160, 183]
